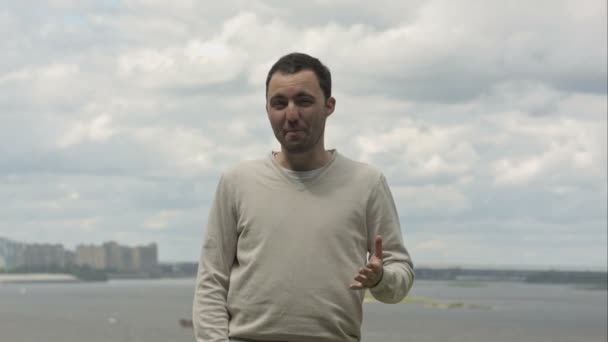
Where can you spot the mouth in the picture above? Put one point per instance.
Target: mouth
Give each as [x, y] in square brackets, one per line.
[293, 133]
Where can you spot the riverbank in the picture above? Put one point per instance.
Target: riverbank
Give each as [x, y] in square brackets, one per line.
[37, 278]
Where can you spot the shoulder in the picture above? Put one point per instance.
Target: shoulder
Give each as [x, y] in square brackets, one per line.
[234, 178]
[245, 170]
[360, 172]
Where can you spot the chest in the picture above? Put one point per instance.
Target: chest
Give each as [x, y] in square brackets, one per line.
[283, 216]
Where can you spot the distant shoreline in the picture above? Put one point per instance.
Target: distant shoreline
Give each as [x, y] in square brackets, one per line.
[582, 279]
[37, 278]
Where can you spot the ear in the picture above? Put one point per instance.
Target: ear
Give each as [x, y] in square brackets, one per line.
[330, 105]
[267, 106]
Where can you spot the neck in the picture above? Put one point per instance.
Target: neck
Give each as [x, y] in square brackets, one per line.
[304, 161]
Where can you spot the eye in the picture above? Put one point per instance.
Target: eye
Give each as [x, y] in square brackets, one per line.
[305, 101]
[278, 103]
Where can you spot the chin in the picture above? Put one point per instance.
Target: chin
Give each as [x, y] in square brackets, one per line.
[296, 148]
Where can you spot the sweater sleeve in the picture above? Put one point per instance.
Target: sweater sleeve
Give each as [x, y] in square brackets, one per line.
[210, 314]
[383, 219]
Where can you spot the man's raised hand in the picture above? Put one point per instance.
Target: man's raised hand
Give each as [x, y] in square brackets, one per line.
[370, 275]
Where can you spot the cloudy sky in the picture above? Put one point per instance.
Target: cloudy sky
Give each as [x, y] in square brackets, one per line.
[487, 117]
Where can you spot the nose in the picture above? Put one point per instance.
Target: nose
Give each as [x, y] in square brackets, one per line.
[292, 113]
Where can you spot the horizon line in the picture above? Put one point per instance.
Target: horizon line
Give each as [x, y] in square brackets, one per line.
[506, 267]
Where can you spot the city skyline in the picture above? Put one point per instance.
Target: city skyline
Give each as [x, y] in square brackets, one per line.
[108, 256]
[504, 266]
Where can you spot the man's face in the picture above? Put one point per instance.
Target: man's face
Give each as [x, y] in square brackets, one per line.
[297, 110]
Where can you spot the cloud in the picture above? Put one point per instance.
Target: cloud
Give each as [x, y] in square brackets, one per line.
[427, 199]
[425, 150]
[97, 130]
[195, 64]
[488, 119]
[160, 220]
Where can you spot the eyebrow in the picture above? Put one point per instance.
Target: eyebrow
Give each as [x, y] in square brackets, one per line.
[303, 93]
[299, 94]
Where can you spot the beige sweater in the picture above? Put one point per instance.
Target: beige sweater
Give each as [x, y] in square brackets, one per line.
[279, 254]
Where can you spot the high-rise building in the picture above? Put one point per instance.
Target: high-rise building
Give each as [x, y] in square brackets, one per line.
[145, 258]
[127, 264]
[18, 255]
[11, 254]
[4, 254]
[120, 258]
[114, 257]
[44, 255]
[92, 256]
[109, 256]
[70, 258]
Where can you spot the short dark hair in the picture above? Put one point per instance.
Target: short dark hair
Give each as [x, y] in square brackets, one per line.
[295, 62]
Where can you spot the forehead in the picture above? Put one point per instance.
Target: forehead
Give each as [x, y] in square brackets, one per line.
[292, 84]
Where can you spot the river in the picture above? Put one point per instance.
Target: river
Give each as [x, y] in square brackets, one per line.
[149, 310]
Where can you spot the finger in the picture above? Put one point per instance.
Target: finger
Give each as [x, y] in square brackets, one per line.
[378, 247]
[356, 286]
[374, 265]
[361, 278]
[368, 272]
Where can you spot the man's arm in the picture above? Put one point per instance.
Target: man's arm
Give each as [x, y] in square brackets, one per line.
[398, 269]
[210, 314]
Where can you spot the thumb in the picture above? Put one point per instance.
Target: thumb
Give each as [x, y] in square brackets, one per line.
[378, 247]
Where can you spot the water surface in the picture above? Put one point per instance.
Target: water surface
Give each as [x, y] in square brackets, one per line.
[149, 310]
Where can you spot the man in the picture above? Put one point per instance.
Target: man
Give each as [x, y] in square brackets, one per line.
[285, 254]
